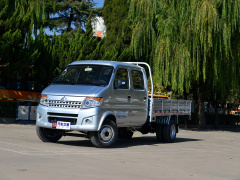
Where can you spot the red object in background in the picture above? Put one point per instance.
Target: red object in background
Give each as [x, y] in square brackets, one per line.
[99, 34]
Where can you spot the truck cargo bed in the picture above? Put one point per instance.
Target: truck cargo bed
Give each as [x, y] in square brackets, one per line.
[170, 107]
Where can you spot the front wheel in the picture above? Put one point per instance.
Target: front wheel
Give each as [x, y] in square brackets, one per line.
[169, 132]
[49, 135]
[106, 136]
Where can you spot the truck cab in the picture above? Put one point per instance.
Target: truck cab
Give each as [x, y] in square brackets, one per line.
[94, 97]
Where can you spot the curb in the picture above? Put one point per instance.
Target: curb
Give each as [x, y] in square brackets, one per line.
[210, 127]
[4, 120]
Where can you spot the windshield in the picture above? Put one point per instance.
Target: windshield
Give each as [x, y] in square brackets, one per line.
[85, 74]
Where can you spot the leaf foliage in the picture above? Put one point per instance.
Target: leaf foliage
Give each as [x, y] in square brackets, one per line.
[188, 42]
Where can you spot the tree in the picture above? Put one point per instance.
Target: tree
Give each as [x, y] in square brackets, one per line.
[39, 58]
[16, 21]
[88, 41]
[190, 44]
[234, 97]
[44, 65]
[68, 15]
[117, 29]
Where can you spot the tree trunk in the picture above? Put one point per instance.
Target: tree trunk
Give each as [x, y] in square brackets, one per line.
[216, 116]
[215, 104]
[201, 111]
[69, 28]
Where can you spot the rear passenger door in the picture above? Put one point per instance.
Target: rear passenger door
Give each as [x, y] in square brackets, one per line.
[139, 97]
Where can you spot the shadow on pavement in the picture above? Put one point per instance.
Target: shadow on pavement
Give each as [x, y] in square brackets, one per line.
[229, 128]
[123, 143]
[149, 141]
[77, 142]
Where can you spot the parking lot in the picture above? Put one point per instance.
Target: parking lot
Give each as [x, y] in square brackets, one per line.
[194, 155]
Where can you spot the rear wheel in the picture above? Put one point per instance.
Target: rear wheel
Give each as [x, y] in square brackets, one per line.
[169, 132]
[49, 135]
[106, 136]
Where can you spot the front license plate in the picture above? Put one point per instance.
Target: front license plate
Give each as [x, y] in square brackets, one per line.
[63, 125]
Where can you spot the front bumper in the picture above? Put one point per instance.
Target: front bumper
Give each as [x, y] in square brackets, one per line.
[85, 119]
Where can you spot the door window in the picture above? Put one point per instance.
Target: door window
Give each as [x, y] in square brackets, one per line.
[121, 79]
[138, 82]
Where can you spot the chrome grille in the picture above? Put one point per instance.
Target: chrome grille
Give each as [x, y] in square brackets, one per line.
[64, 104]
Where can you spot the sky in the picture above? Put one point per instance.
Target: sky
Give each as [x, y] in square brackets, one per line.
[100, 3]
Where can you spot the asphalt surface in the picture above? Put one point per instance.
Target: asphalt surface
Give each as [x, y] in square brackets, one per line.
[194, 155]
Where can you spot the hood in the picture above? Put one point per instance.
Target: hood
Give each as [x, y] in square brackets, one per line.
[71, 90]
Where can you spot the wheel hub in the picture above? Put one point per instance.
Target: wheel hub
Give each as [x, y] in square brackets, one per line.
[106, 134]
[172, 131]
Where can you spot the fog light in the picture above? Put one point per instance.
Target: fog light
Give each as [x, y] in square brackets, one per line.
[87, 121]
[40, 116]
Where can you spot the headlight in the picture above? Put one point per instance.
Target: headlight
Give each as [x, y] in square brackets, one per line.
[91, 102]
[43, 100]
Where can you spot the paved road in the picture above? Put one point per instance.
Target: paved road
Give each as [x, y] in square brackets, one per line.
[195, 155]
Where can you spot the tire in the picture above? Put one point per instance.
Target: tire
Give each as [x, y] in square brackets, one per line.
[49, 135]
[106, 136]
[125, 133]
[169, 132]
[159, 132]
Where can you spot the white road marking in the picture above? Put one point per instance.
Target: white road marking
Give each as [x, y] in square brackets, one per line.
[10, 150]
[42, 152]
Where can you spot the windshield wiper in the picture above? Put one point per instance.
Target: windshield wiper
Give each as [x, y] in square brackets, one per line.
[100, 85]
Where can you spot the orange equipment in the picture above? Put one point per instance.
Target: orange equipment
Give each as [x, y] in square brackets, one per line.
[16, 95]
[158, 96]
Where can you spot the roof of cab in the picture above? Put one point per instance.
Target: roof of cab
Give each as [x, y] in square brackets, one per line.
[102, 62]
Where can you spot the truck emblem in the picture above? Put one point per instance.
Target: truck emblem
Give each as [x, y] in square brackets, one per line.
[64, 99]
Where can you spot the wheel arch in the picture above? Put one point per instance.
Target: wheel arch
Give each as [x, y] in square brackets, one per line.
[174, 118]
[107, 115]
[165, 120]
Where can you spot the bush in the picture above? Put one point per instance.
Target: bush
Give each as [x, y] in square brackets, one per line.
[194, 119]
[8, 109]
[223, 119]
[210, 118]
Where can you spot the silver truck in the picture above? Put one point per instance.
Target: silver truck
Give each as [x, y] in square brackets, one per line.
[104, 100]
